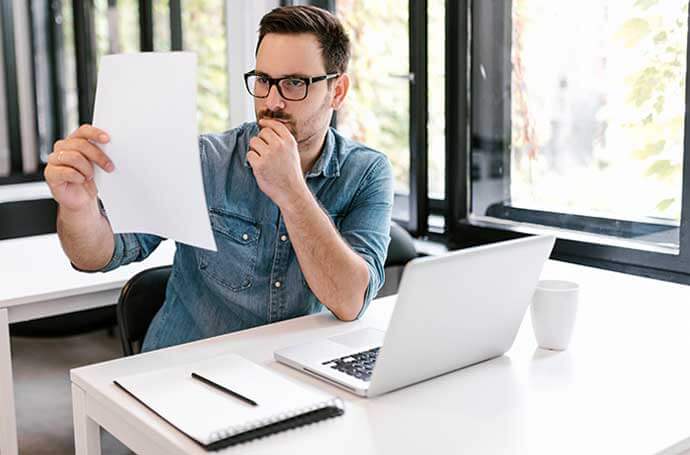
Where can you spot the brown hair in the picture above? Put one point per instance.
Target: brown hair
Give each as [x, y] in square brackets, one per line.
[334, 42]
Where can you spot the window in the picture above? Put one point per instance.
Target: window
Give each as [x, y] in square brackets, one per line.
[49, 53]
[577, 128]
[387, 106]
[205, 32]
[5, 156]
[377, 111]
[437, 113]
[596, 118]
[66, 79]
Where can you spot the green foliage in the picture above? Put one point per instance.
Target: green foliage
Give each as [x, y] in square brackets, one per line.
[376, 112]
[633, 31]
[650, 150]
[665, 204]
[204, 32]
[655, 88]
[663, 169]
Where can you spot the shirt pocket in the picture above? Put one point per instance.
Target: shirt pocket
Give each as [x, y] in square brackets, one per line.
[237, 238]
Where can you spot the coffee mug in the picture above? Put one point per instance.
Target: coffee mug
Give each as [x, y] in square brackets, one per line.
[554, 307]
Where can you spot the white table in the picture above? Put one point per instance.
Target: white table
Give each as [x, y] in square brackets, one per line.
[623, 387]
[37, 280]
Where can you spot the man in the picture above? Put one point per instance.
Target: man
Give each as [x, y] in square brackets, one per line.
[300, 214]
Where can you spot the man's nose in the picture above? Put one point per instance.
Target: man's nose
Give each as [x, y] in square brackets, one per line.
[274, 101]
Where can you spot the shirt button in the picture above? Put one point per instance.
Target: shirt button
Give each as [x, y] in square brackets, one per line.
[283, 238]
[277, 284]
[245, 237]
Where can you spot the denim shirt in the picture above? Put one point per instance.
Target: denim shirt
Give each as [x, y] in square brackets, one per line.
[254, 277]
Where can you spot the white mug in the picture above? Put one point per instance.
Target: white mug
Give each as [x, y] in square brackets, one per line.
[554, 307]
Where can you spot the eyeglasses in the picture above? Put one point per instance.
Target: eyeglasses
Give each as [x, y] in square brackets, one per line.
[292, 88]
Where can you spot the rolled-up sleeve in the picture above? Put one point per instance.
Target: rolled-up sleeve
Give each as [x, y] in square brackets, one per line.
[366, 226]
[131, 248]
[128, 248]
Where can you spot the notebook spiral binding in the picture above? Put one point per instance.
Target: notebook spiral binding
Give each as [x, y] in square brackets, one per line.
[336, 403]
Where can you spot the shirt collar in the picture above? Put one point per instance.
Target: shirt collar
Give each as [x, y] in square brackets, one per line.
[327, 163]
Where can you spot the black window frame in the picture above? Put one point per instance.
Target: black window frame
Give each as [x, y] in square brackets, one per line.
[11, 95]
[34, 217]
[463, 232]
[417, 203]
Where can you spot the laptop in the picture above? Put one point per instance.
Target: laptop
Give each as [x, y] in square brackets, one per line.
[452, 311]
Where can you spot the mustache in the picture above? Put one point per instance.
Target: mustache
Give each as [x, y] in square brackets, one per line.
[280, 115]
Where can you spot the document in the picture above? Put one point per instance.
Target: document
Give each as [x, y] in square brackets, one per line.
[147, 104]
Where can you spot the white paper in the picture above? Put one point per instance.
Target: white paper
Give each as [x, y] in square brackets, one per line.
[147, 104]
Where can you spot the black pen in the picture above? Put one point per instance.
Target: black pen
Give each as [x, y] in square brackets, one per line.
[224, 389]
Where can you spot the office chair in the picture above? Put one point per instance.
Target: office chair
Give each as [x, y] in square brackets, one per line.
[140, 299]
[401, 250]
[144, 294]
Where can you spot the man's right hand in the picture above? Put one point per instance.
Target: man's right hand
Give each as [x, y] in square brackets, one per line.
[70, 171]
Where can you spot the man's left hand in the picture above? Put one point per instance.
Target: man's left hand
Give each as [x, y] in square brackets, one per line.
[275, 160]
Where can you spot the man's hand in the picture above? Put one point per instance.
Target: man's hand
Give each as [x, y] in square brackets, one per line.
[275, 160]
[69, 173]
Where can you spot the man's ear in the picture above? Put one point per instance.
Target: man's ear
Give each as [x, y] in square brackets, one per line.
[342, 85]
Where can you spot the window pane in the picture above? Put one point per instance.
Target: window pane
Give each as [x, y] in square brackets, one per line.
[588, 117]
[116, 27]
[204, 32]
[161, 25]
[437, 89]
[68, 78]
[4, 139]
[41, 18]
[376, 112]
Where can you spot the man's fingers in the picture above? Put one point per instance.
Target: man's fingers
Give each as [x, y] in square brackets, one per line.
[259, 145]
[269, 136]
[277, 126]
[91, 188]
[72, 159]
[252, 157]
[63, 174]
[91, 133]
[89, 150]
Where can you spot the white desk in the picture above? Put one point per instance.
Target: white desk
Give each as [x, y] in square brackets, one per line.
[622, 388]
[36, 280]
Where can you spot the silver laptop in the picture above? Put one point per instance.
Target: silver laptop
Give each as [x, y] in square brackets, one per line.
[452, 311]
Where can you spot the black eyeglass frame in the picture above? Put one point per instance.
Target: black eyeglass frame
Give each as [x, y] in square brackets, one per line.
[271, 82]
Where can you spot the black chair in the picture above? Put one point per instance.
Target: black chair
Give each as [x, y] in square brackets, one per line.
[401, 250]
[144, 294]
[140, 299]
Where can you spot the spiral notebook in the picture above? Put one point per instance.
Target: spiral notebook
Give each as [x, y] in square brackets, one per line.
[228, 400]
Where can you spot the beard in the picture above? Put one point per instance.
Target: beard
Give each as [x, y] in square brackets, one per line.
[310, 127]
[286, 119]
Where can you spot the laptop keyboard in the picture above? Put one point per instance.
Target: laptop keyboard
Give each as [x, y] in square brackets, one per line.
[359, 365]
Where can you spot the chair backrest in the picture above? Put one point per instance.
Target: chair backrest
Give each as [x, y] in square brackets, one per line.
[144, 294]
[401, 250]
[140, 299]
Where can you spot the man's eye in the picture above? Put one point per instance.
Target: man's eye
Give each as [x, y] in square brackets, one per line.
[294, 83]
[261, 80]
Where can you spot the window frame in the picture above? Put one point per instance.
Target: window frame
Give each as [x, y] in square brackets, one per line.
[16, 213]
[416, 204]
[464, 232]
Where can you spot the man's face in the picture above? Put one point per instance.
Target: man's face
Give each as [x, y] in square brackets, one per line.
[282, 55]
